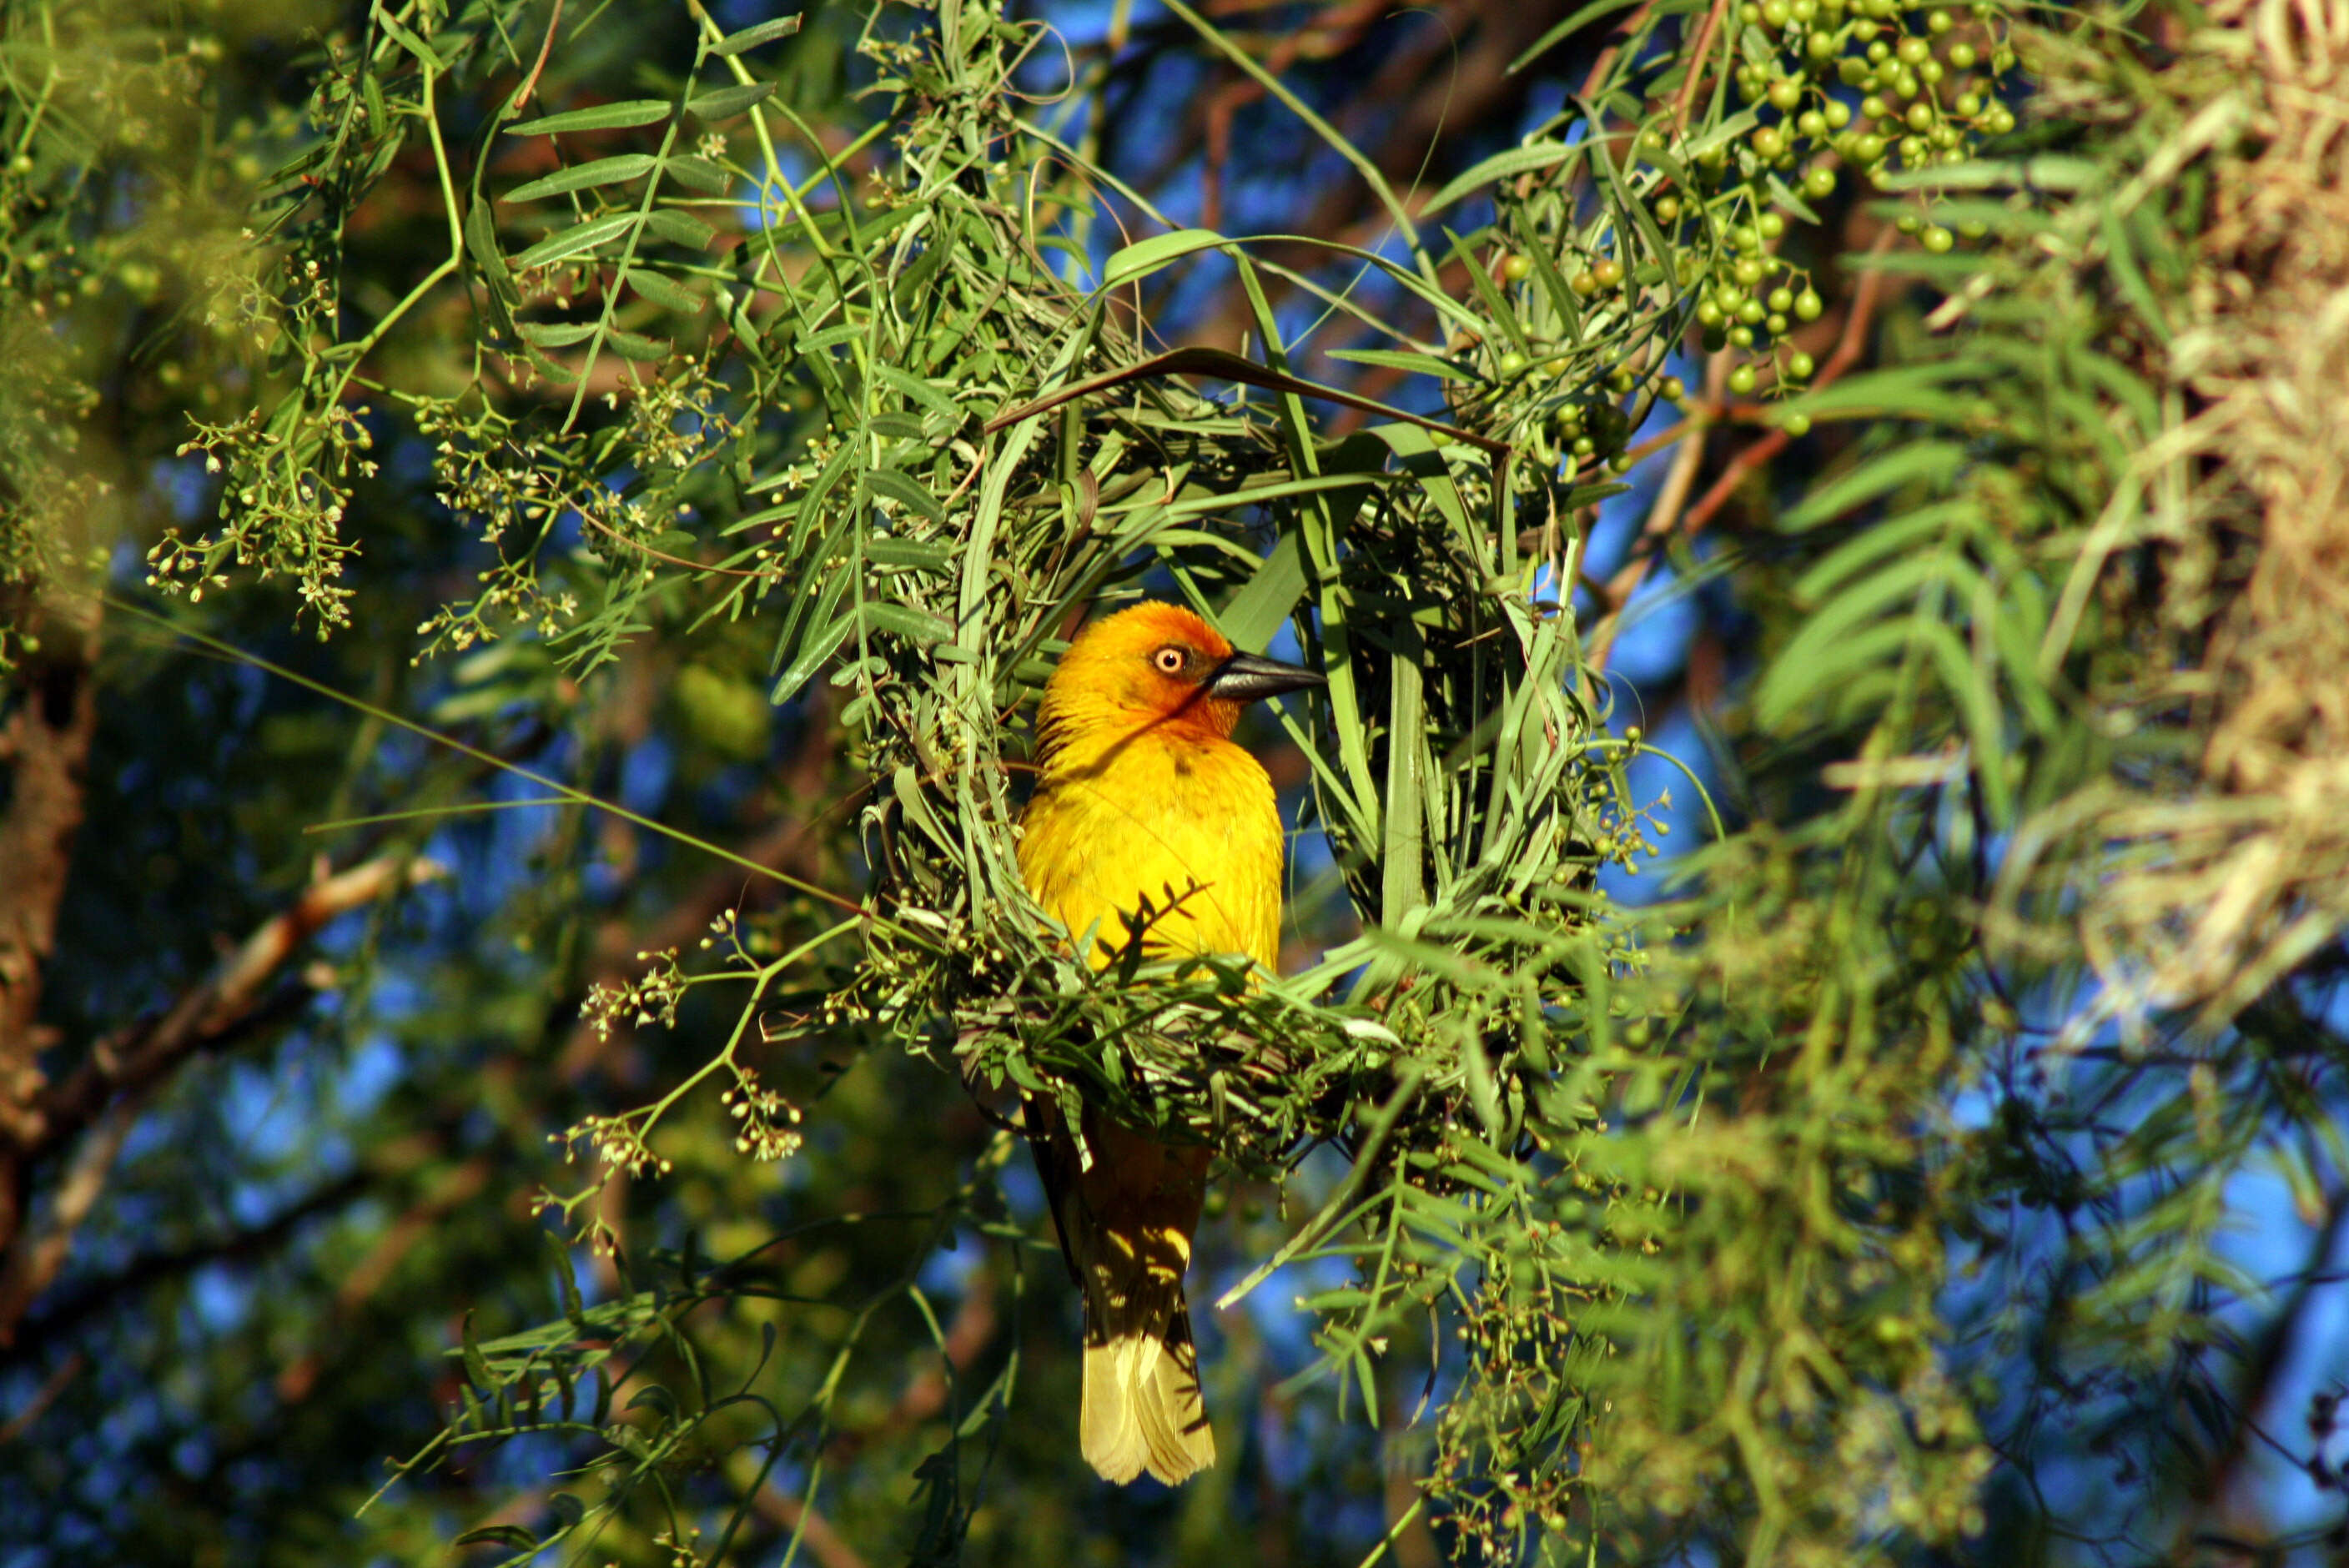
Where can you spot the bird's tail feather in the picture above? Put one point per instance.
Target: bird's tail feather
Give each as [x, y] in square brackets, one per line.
[1143, 1409]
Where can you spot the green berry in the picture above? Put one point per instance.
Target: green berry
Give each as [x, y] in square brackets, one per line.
[1938, 238]
[1809, 306]
[1913, 49]
[1742, 380]
[1672, 388]
[1607, 272]
[1772, 225]
[1517, 269]
[1838, 114]
[1799, 366]
[1743, 336]
[1920, 116]
[1796, 425]
[1511, 365]
[1774, 323]
[1962, 56]
[1769, 142]
[1780, 298]
[1819, 181]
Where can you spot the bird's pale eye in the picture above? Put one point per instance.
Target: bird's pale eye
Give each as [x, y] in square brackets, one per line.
[1168, 661]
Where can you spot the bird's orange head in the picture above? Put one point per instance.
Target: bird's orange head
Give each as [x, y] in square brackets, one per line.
[1157, 664]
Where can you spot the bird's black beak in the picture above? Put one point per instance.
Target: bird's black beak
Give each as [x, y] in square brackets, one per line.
[1245, 677]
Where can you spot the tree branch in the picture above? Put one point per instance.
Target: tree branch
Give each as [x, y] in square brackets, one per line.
[119, 1068]
[45, 741]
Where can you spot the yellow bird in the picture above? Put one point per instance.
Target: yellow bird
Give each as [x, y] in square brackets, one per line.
[1144, 808]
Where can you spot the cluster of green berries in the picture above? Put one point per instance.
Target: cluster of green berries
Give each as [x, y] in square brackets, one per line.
[1837, 84]
[1926, 93]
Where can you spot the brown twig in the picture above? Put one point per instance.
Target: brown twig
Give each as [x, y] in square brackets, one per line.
[42, 1398]
[1665, 521]
[546, 48]
[1704, 32]
[100, 1095]
[785, 1512]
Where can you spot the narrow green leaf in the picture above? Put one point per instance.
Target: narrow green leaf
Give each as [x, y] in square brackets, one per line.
[725, 103]
[916, 626]
[903, 490]
[1259, 610]
[1566, 29]
[1500, 166]
[680, 228]
[513, 1535]
[1397, 359]
[665, 291]
[409, 40]
[557, 333]
[1149, 256]
[578, 240]
[601, 117]
[616, 170]
[752, 37]
[482, 244]
[697, 174]
[642, 350]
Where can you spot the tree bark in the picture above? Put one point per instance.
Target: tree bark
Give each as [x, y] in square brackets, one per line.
[51, 708]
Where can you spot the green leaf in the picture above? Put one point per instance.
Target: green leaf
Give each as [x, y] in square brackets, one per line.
[616, 170]
[1149, 256]
[917, 627]
[752, 37]
[1395, 359]
[903, 490]
[665, 291]
[558, 334]
[1500, 166]
[407, 40]
[578, 240]
[601, 116]
[1572, 25]
[697, 172]
[1260, 609]
[680, 228]
[812, 656]
[482, 244]
[727, 102]
[513, 1535]
[644, 350]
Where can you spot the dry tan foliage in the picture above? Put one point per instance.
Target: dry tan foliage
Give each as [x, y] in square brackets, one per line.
[2227, 888]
